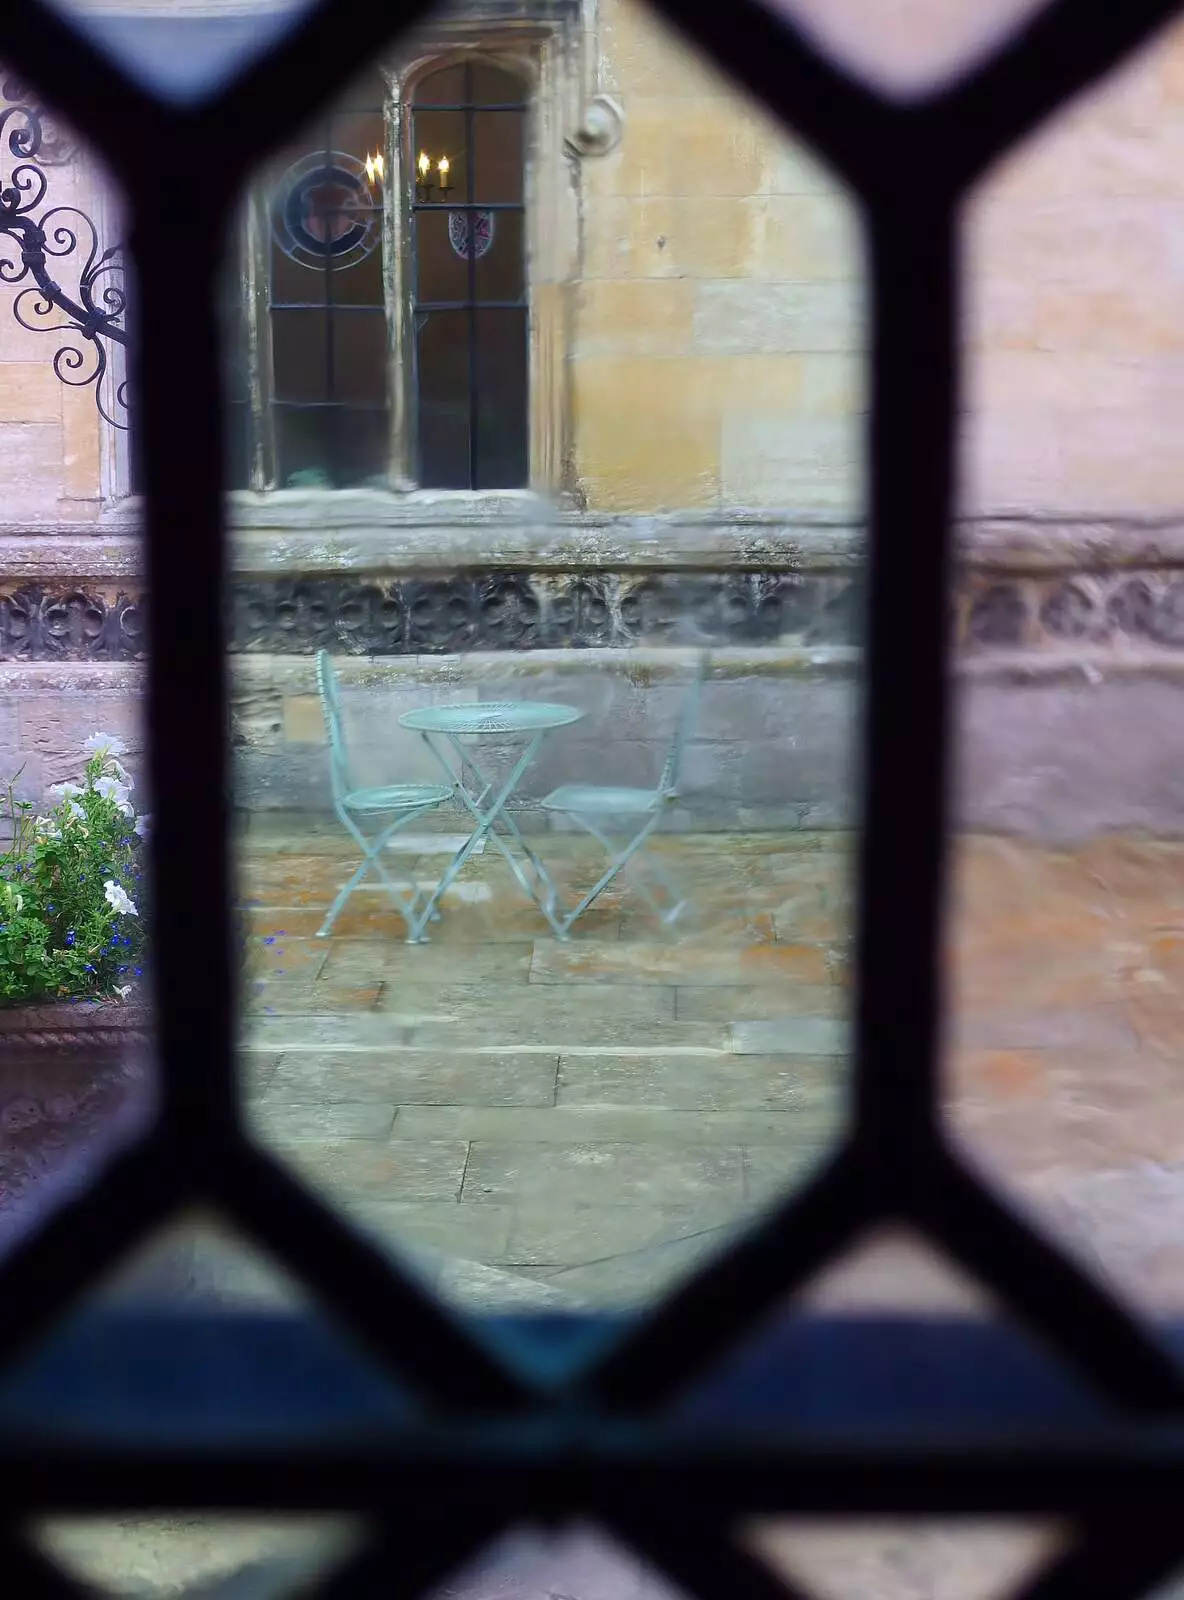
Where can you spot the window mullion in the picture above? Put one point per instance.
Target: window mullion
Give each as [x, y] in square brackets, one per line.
[259, 359]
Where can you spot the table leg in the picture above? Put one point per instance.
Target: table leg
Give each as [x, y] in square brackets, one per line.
[506, 819]
[486, 823]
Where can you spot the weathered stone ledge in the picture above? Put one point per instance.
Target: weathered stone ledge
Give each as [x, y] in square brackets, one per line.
[358, 532]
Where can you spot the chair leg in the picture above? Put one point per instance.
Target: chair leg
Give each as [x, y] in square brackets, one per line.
[405, 896]
[617, 861]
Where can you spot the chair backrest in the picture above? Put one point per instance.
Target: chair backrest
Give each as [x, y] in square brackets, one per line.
[684, 727]
[334, 725]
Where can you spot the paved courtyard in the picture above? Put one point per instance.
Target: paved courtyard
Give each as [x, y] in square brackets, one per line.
[578, 1123]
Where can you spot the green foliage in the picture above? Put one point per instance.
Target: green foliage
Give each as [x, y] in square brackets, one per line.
[71, 888]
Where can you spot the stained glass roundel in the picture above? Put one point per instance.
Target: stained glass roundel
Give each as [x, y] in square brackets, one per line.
[325, 209]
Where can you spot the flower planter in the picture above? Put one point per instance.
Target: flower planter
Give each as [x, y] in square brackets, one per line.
[74, 1082]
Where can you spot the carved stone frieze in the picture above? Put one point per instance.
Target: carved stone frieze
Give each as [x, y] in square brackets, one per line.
[347, 614]
[536, 611]
[1054, 610]
[71, 623]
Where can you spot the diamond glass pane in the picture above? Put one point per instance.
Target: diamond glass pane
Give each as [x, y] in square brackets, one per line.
[1067, 898]
[620, 1029]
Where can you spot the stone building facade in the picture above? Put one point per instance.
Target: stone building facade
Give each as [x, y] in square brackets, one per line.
[696, 382]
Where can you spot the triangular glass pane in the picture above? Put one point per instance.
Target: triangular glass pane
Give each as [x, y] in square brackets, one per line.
[891, 1333]
[905, 1558]
[911, 47]
[196, 1333]
[198, 1555]
[183, 52]
[578, 1563]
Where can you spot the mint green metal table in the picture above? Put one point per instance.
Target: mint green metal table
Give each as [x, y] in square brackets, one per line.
[443, 728]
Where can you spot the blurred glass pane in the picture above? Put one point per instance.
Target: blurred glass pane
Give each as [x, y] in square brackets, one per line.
[1068, 894]
[182, 52]
[911, 46]
[906, 1558]
[635, 492]
[122, 1343]
[76, 1067]
[892, 1270]
[198, 1555]
[580, 1563]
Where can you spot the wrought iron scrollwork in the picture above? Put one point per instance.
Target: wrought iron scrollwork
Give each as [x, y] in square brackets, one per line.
[93, 314]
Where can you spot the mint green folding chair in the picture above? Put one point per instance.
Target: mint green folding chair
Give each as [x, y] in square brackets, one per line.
[591, 806]
[401, 803]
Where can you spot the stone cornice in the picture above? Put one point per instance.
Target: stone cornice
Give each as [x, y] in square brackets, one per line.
[508, 573]
[306, 533]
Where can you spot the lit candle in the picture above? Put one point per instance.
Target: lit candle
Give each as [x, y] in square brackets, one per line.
[443, 171]
[425, 166]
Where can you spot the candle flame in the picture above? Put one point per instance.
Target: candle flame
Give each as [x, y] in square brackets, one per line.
[443, 169]
[375, 167]
[425, 163]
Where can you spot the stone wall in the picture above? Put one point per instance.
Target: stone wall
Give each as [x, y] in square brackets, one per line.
[718, 356]
[716, 362]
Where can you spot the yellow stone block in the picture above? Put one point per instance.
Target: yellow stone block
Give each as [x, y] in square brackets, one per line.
[81, 444]
[779, 460]
[701, 236]
[805, 383]
[806, 238]
[648, 57]
[708, 145]
[304, 722]
[30, 391]
[646, 434]
[638, 317]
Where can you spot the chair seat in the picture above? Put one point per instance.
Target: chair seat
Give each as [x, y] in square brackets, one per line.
[591, 799]
[397, 797]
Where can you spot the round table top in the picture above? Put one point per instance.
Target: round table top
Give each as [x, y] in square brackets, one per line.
[491, 716]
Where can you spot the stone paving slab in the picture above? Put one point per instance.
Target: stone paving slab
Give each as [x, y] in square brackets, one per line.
[390, 1169]
[760, 1002]
[283, 1122]
[596, 1125]
[474, 1233]
[702, 964]
[1087, 1028]
[428, 964]
[410, 1077]
[631, 1279]
[797, 1084]
[602, 1174]
[806, 1036]
[771, 1172]
[541, 1235]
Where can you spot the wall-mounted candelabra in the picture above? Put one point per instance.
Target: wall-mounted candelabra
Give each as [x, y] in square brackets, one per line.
[433, 179]
[94, 312]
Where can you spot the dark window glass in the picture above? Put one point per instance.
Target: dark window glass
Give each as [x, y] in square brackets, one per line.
[469, 279]
[237, 345]
[329, 340]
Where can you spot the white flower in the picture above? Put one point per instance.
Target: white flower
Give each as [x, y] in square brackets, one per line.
[124, 991]
[124, 776]
[48, 827]
[117, 898]
[143, 823]
[112, 789]
[104, 744]
[73, 809]
[65, 791]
